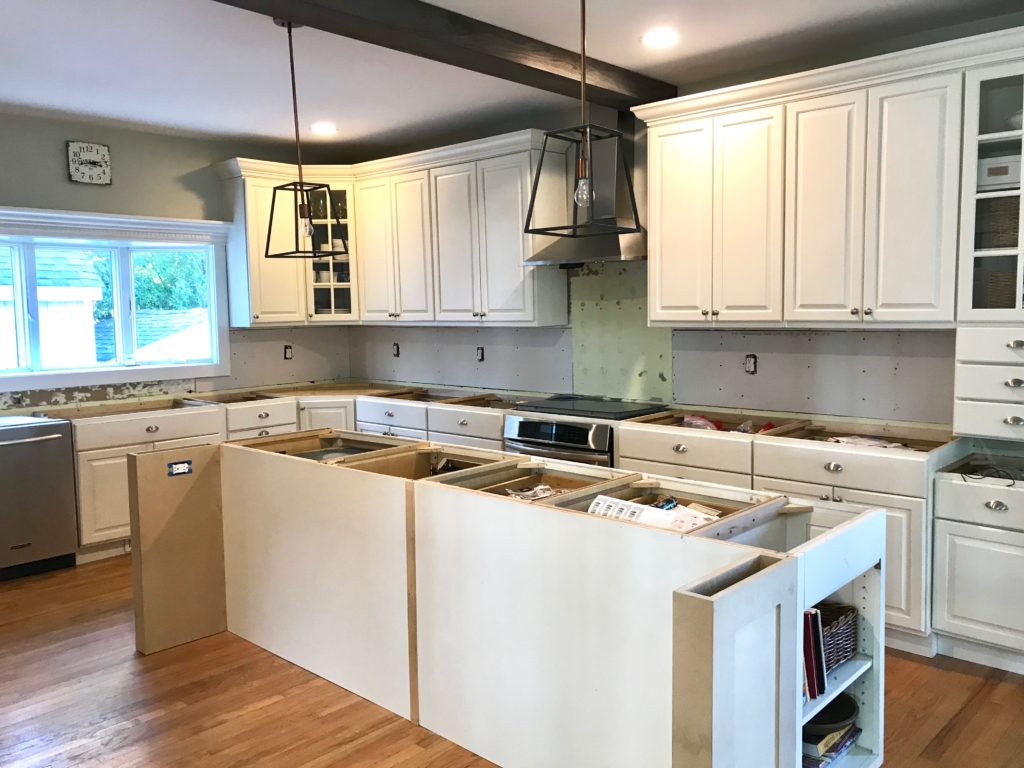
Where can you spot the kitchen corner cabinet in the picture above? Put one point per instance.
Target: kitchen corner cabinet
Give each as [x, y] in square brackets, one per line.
[327, 413]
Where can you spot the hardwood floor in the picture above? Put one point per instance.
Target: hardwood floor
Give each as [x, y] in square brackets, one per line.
[73, 692]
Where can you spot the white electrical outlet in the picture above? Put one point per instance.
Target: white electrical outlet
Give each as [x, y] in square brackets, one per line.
[288, 352]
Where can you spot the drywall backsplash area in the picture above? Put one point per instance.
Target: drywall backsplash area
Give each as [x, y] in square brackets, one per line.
[614, 353]
[899, 375]
[257, 359]
[524, 359]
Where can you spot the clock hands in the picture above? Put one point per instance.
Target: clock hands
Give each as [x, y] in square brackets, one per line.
[94, 163]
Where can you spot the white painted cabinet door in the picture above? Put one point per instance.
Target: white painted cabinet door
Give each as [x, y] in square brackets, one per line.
[748, 215]
[414, 262]
[336, 413]
[376, 253]
[976, 570]
[825, 155]
[103, 494]
[453, 199]
[680, 222]
[277, 287]
[503, 193]
[913, 184]
[906, 577]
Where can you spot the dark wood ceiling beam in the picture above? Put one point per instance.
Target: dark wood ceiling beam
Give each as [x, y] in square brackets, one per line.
[415, 27]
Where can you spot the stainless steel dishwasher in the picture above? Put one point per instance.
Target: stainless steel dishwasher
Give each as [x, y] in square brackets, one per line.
[38, 515]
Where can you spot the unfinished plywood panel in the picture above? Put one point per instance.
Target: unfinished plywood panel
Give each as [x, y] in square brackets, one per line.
[615, 354]
[317, 572]
[524, 359]
[177, 546]
[901, 375]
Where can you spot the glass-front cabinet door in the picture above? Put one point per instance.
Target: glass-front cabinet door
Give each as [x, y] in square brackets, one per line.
[331, 281]
[991, 268]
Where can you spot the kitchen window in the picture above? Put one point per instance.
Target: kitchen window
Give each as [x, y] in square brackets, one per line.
[85, 311]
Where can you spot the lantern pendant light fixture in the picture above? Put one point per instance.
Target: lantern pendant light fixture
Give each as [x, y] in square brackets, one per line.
[299, 196]
[589, 191]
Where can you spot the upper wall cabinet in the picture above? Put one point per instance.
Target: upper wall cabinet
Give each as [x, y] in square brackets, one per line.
[716, 206]
[991, 252]
[331, 294]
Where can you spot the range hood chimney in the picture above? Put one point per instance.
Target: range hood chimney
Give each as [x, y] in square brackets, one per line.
[612, 202]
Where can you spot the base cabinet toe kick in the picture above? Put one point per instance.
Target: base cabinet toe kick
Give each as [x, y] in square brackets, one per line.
[486, 618]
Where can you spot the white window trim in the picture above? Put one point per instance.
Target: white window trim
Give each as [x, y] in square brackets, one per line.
[31, 222]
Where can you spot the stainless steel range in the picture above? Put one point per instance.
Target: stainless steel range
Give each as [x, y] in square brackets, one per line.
[570, 427]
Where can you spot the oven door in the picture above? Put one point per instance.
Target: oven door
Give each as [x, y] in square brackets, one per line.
[595, 458]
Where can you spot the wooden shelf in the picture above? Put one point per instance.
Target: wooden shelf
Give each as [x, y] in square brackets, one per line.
[839, 679]
[998, 193]
[858, 757]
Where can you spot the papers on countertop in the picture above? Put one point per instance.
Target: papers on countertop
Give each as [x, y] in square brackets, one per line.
[537, 492]
[678, 518]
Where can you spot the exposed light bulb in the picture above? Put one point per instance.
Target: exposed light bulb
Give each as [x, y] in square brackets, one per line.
[307, 228]
[661, 37]
[584, 194]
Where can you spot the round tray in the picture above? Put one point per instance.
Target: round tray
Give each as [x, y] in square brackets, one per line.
[836, 715]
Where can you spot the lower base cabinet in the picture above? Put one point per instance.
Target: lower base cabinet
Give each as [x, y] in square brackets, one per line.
[465, 440]
[734, 479]
[386, 429]
[976, 569]
[328, 413]
[246, 434]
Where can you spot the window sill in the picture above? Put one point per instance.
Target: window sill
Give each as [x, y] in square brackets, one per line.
[100, 376]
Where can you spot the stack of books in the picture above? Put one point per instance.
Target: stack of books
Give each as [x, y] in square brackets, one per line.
[826, 750]
[815, 679]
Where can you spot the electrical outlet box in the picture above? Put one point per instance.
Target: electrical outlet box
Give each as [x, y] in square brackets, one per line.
[288, 352]
[479, 354]
[395, 350]
[750, 364]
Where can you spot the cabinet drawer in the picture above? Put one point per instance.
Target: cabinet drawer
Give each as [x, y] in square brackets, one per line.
[112, 431]
[792, 488]
[473, 422]
[724, 451]
[699, 474]
[868, 469]
[966, 501]
[391, 411]
[998, 383]
[975, 569]
[466, 440]
[261, 414]
[245, 434]
[989, 345]
[384, 429]
[988, 419]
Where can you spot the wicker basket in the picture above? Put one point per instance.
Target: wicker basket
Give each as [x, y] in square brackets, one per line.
[997, 223]
[839, 633]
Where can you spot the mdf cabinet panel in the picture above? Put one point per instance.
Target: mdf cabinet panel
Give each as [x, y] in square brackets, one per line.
[413, 259]
[748, 215]
[277, 287]
[913, 180]
[825, 157]
[373, 233]
[680, 205]
[103, 493]
[456, 242]
[506, 286]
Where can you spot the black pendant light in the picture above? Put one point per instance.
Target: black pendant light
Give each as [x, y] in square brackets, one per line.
[582, 140]
[299, 195]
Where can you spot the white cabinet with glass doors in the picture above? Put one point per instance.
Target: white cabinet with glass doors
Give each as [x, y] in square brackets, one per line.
[330, 281]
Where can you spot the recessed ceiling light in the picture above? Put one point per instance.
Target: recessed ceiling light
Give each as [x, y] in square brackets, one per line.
[324, 128]
[661, 37]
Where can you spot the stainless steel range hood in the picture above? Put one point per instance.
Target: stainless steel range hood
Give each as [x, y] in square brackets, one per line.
[612, 202]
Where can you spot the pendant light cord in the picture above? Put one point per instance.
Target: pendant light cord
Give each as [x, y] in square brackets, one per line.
[583, 60]
[295, 101]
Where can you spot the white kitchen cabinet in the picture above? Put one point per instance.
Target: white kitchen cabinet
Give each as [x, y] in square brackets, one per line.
[684, 472]
[248, 434]
[327, 413]
[331, 295]
[413, 257]
[103, 493]
[913, 178]
[466, 441]
[376, 248]
[825, 162]
[453, 197]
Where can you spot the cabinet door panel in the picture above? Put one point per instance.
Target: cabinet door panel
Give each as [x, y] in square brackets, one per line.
[335, 415]
[376, 255]
[453, 197]
[825, 155]
[103, 494]
[913, 180]
[277, 286]
[748, 215]
[414, 269]
[506, 286]
[679, 220]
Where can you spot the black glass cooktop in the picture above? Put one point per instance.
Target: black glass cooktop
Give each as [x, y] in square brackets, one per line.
[589, 407]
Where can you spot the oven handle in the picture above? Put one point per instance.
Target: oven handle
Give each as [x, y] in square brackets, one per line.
[582, 457]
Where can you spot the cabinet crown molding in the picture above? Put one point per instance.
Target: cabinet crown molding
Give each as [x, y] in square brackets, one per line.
[979, 50]
[480, 149]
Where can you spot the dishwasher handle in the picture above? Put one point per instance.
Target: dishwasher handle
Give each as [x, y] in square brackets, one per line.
[31, 440]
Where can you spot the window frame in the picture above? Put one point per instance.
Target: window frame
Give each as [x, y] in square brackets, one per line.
[123, 233]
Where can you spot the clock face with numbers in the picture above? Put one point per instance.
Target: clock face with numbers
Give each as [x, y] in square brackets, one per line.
[88, 163]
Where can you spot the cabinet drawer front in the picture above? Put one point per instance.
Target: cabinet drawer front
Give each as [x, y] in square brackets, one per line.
[158, 425]
[391, 411]
[473, 422]
[466, 440]
[792, 488]
[245, 434]
[699, 474]
[975, 569]
[726, 452]
[988, 419]
[869, 469]
[979, 502]
[383, 429]
[261, 414]
[999, 383]
[990, 345]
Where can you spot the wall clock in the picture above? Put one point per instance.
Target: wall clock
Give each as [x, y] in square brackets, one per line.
[88, 163]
